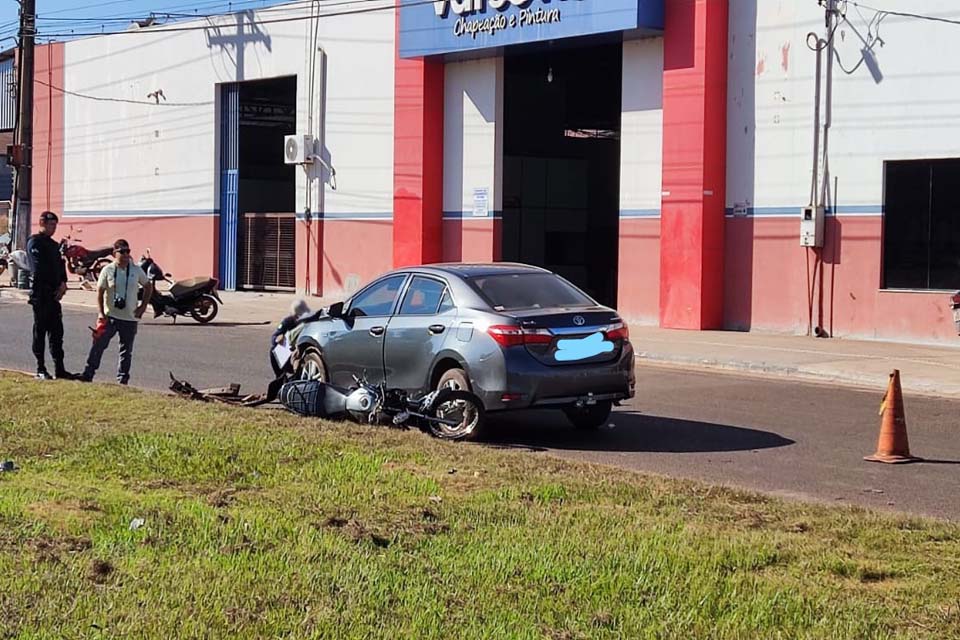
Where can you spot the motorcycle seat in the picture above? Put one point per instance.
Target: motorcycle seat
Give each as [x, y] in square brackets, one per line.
[102, 252]
[190, 286]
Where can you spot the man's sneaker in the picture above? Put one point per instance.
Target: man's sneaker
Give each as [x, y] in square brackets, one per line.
[43, 374]
[83, 378]
[63, 374]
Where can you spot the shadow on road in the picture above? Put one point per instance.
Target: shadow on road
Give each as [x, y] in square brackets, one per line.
[630, 432]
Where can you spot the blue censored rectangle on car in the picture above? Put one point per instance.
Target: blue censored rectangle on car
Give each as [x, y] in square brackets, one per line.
[572, 350]
[450, 26]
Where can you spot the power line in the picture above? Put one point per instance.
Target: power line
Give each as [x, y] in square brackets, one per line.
[170, 29]
[156, 103]
[905, 14]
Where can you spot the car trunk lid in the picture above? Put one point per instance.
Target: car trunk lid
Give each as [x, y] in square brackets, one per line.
[571, 336]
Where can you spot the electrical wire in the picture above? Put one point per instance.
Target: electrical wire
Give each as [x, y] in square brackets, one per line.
[172, 29]
[905, 14]
[123, 100]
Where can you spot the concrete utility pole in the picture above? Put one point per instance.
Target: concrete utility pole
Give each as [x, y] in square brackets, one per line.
[24, 152]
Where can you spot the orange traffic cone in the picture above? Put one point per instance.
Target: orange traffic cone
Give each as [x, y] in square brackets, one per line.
[893, 447]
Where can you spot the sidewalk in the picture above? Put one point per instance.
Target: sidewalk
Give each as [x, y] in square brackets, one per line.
[925, 369]
[239, 307]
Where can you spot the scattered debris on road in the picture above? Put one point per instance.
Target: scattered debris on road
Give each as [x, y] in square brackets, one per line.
[7, 466]
[225, 395]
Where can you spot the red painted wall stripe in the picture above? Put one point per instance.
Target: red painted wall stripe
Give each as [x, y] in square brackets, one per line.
[418, 161]
[694, 164]
[48, 142]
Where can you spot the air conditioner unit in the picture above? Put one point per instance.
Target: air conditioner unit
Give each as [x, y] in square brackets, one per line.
[298, 149]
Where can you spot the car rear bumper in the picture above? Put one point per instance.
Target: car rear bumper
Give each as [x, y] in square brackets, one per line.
[528, 384]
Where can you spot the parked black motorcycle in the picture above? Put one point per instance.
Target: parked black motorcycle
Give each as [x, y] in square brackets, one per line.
[446, 413]
[195, 297]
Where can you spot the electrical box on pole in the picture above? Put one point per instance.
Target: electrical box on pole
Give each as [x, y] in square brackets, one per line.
[812, 221]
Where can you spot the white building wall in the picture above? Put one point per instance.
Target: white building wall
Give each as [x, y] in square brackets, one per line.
[124, 158]
[641, 155]
[472, 134]
[910, 114]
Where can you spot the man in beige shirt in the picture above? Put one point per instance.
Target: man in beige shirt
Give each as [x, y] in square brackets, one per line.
[118, 310]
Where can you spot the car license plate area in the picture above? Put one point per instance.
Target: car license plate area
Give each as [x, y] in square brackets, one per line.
[956, 315]
[583, 349]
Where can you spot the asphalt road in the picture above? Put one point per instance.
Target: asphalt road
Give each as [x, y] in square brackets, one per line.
[790, 439]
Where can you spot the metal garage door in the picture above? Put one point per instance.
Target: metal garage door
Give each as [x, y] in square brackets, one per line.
[267, 256]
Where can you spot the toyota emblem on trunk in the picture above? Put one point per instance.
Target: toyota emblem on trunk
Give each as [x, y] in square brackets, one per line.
[579, 321]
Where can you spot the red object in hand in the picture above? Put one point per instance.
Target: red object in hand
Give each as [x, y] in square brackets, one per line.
[100, 328]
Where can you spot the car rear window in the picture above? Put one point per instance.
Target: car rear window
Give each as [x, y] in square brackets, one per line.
[517, 291]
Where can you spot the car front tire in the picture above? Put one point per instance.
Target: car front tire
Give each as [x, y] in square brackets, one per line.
[312, 367]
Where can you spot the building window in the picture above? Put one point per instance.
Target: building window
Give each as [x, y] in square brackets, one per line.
[921, 235]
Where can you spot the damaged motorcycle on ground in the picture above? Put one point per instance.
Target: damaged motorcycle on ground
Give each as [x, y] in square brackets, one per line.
[446, 413]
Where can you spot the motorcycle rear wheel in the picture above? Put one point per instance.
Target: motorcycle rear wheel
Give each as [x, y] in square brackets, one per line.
[459, 405]
[205, 309]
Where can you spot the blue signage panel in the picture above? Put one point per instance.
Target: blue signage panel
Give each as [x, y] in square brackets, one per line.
[435, 27]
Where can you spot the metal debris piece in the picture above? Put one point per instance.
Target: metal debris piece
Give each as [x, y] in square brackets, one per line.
[225, 395]
[7, 466]
[136, 523]
[229, 391]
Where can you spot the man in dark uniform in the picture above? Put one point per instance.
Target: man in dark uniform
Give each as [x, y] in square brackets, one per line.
[49, 285]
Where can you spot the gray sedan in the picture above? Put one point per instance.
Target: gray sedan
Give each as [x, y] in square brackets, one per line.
[518, 336]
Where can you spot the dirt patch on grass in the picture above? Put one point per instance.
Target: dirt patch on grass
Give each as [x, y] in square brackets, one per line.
[64, 515]
[99, 571]
[48, 549]
[221, 498]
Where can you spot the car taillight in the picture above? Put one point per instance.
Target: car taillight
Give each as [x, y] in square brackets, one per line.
[511, 336]
[955, 298]
[618, 331]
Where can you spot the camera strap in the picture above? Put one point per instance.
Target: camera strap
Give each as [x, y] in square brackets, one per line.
[126, 284]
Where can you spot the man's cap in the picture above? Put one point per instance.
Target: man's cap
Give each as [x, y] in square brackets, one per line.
[48, 216]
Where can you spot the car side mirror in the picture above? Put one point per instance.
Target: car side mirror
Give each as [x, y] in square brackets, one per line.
[335, 310]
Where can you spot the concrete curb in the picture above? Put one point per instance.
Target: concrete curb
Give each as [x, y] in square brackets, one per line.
[792, 372]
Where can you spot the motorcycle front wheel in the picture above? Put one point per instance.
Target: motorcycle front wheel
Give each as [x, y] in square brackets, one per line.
[461, 407]
[205, 309]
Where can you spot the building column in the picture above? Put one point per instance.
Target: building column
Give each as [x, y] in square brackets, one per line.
[694, 164]
[473, 160]
[418, 161]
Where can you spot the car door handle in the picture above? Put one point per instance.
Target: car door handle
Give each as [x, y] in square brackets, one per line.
[437, 329]
[377, 331]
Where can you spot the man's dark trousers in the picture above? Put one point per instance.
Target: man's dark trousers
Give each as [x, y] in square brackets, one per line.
[127, 329]
[47, 319]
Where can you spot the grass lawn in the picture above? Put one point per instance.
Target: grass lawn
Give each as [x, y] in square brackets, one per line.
[260, 524]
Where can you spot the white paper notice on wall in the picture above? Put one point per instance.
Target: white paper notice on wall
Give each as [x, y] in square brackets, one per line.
[481, 202]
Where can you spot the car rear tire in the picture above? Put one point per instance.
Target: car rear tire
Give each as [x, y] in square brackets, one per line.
[590, 417]
[312, 367]
[455, 379]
